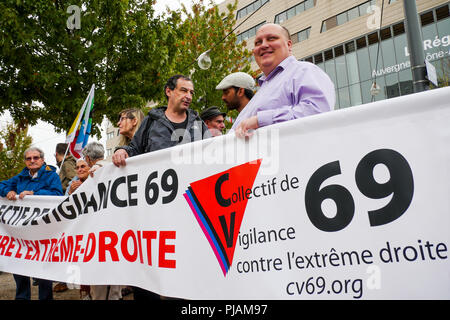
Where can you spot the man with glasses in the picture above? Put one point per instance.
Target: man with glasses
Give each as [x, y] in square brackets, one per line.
[37, 178]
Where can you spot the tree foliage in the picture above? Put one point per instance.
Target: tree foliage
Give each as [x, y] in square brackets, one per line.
[47, 67]
[204, 27]
[13, 143]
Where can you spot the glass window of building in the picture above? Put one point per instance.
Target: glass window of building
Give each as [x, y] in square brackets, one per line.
[300, 8]
[382, 56]
[331, 23]
[355, 94]
[426, 18]
[388, 53]
[400, 47]
[247, 34]
[344, 98]
[353, 13]
[361, 43]
[380, 82]
[341, 18]
[372, 38]
[429, 33]
[365, 71]
[443, 27]
[442, 13]
[376, 59]
[348, 15]
[406, 84]
[281, 17]
[365, 91]
[249, 9]
[352, 68]
[443, 21]
[392, 86]
[341, 72]
[398, 29]
[363, 7]
[303, 35]
[330, 68]
[309, 4]
[291, 12]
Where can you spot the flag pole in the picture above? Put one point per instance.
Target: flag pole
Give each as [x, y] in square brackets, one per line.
[65, 154]
[72, 134]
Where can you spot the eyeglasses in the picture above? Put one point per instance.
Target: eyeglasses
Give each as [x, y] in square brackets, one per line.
[80, 167]
[123, 118]
[35, 158]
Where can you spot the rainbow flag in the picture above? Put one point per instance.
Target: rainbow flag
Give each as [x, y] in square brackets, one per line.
[78, 135]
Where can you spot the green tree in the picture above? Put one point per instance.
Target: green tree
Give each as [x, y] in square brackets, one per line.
[47, 66]
[203, 28]
[13, 143]
[48, 62]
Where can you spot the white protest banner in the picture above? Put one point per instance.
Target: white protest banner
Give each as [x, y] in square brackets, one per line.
[351, 204]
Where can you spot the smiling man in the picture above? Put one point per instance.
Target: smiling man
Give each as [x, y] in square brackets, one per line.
[289, 89]
[165, 127]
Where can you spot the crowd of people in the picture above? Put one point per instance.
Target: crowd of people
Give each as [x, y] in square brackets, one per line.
[288, 89]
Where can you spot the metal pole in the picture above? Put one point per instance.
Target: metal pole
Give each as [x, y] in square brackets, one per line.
[415, 45]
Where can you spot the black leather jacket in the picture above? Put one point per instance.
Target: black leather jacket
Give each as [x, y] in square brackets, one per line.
[155, 132]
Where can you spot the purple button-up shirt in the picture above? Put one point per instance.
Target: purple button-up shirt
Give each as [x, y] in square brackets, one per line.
[294, 89]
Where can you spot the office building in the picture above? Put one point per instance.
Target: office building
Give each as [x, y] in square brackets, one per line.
[344, 39]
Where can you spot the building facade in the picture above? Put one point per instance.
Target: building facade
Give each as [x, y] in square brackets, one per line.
[344, 38]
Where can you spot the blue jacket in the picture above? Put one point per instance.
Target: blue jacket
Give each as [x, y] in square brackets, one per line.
[45, 184]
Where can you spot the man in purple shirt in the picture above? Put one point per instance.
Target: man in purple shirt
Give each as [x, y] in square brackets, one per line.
[289, 89]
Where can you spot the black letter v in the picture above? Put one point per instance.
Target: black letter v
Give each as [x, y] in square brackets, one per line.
[228, 234]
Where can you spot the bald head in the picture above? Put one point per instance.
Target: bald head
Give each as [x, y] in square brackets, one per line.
[272, 45]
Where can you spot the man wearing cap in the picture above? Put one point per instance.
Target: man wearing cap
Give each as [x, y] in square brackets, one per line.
[237, 90]
[289, 89]
[214, 120]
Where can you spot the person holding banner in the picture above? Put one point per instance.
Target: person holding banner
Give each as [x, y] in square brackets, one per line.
[162, 128]
[82, 169]
[166, 127]
[289, 89]
[128, 123]
[94, 154]
[37, 178]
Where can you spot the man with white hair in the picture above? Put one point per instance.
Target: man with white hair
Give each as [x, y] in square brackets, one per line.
[37, 178]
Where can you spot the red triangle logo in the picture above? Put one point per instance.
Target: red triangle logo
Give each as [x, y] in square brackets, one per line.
[218, 203]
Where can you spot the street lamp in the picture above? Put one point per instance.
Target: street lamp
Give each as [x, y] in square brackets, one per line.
[204, 60]
[415, 45]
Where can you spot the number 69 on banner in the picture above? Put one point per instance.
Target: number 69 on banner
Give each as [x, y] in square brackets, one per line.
[400, 186]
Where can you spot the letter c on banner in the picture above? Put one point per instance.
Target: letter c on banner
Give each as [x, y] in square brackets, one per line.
[223, 202]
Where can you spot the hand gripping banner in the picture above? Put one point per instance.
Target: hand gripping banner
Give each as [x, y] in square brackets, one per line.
[351, 204]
